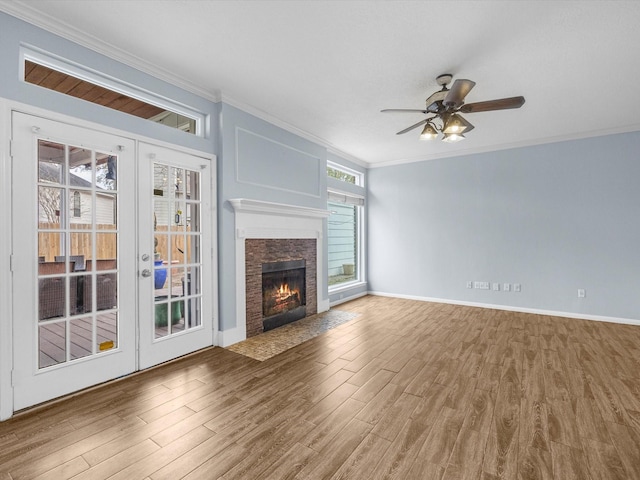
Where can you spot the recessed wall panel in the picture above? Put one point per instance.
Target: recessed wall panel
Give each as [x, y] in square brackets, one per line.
[268, 163]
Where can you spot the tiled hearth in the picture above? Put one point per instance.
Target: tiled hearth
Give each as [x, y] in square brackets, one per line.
[262, 228]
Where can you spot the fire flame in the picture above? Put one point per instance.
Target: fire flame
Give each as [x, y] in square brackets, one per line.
[284, 292]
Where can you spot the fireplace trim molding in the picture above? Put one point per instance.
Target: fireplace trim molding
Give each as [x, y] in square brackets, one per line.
[268, 220]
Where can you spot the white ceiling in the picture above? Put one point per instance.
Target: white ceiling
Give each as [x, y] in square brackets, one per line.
[327, 68]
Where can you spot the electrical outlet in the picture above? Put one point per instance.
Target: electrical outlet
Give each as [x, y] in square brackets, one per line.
[582, 293]
[517, 287]
[481, 285]
[496, 287]
[469, 284]
[506, 287]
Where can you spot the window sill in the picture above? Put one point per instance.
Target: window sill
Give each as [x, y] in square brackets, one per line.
[346, 286]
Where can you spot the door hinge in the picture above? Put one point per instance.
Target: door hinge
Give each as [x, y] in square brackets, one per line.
[11, 143]
[11, 263]
[13, 378]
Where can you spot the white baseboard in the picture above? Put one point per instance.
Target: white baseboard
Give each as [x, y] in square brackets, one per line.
[347, 299]
[323, 306]
[581, 316]
[231, 336]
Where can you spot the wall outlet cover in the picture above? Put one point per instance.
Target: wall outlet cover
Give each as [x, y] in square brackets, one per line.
[517, 287]
[496, 287]
[506, 287]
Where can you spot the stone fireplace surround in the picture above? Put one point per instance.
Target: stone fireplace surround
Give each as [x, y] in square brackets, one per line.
[255, 219]
[267, 250]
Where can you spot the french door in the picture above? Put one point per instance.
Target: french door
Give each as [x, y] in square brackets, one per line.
[88, 212]
[74, 301]
[175, 253]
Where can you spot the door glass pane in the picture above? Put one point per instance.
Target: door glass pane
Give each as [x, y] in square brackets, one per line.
[107, 334]
[178, 216]
[51, 297]
[192, 181]
[193, 248]
[160, 180]
[52, 340]
[192, 315]
[81, 335]
[106, 250]
[80, 248]
[107, 291]
[179, 249]
[80, 209]
[50, 162]
[50, 247]
[73, 247]
[193, 217]
[176, 208]
[50, 207]
[106, 211]
[80, 171]
[107, 172]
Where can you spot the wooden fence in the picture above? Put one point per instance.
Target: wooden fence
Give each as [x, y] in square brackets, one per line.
[49, 243]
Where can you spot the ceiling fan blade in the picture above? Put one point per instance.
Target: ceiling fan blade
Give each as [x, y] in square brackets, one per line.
[421, 122]
[489, 105]
[403, 110]
[459, 90]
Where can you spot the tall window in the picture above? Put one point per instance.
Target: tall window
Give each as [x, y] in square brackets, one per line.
[343, 243]
[344, 232]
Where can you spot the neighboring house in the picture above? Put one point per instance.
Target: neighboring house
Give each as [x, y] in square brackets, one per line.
[79, 203]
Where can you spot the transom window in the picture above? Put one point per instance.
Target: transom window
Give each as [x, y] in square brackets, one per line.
[344, 174]
[60, 76]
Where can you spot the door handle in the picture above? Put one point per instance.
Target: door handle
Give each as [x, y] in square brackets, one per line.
[146, 273]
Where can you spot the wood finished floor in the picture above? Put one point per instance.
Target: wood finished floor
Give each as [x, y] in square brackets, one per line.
[407, 390]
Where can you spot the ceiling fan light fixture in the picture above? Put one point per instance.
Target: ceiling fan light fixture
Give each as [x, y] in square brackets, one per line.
[452, 137]
[428, 132]
[455, 124]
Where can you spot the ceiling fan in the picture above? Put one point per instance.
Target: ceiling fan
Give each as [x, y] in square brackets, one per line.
[445, 106]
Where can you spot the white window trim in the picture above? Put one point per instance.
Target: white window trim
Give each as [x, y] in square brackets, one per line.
[100, 79]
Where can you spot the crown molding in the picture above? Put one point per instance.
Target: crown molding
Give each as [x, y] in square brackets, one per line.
[29, 14]
[507, 146]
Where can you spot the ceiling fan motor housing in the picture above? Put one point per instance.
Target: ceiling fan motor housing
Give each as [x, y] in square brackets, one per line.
[444, 79]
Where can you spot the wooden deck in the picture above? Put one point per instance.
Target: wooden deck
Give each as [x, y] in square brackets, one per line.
[407, 390]
[53, 338]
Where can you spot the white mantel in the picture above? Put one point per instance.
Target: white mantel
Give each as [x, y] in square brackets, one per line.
[258, 219]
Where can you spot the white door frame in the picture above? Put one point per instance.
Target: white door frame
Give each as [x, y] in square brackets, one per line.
[6, 320]
[6, 307]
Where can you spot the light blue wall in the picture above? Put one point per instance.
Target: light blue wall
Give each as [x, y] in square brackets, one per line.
[14, 33]
[553, 218]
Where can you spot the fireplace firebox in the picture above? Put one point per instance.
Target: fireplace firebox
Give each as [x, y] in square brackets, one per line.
[283, 293]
